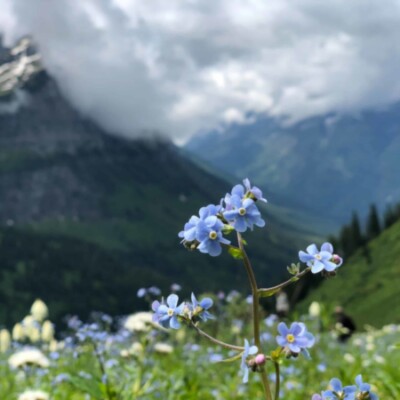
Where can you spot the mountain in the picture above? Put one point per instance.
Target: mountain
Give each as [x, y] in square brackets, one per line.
[329, 165]
[367, 283]
[87, 217]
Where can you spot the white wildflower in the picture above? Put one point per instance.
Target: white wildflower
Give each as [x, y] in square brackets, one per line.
[315, 309]
[34, 395]
[47, 331]
[139, 322]
[18, 333]
[163, 348]
[28, 356]
[39, 310]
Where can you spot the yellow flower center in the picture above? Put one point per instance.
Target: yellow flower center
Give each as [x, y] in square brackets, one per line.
[290, 338]
[213, 235]
[318, 256]
[242, 211]
[170, 312]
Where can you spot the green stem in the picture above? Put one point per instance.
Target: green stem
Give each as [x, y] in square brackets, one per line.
[293, 279]
[216, 341]
[256, 316]
[277, 375]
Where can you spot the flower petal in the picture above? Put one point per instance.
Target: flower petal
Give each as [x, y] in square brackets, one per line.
[172, 300]
[312, 249]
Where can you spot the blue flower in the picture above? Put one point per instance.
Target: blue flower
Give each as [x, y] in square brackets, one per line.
[254, 192]
[189, 232]
[209, 234]
[167, 314]
[242, 213]
[320, 260]
[248, 351]
[201, 308]
[296, 338]
[206, 230]
[190, 229]
[365, 388]
[316, 397]
[339, 392]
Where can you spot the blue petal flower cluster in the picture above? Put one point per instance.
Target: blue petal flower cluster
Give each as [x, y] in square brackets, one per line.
[236, 211]
[296, 339]
[170, 314]
[354, 392]
[320, 260]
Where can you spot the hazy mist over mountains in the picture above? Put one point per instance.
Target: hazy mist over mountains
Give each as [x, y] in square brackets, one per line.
[330, 165]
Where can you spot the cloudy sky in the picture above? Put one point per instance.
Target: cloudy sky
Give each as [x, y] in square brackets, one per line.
[187, 66]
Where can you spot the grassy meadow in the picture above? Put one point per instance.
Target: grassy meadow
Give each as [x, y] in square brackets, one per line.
[134, 359]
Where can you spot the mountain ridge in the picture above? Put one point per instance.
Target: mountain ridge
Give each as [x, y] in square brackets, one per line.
[329, 164]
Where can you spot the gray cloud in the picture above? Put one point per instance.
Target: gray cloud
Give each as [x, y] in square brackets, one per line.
[186, 67]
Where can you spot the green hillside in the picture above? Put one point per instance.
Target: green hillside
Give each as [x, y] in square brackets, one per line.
[367, 284]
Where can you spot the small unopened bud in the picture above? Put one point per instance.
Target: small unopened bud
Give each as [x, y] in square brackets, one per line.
[294, 269]
[227, 229]
[337, 259]
[260, 359]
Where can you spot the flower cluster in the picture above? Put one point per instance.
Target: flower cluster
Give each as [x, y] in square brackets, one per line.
[295, 339]
[323, 260]
[236, 211]
[170, 314]
[360, 391]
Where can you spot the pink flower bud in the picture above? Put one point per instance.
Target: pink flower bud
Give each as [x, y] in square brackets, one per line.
[260, 359]
[336, 259]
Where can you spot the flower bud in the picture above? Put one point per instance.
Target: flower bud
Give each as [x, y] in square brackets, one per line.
[5, 340]
[39, 310]
[260, 359]
[47, 331]
[337, 259]
[18, 333]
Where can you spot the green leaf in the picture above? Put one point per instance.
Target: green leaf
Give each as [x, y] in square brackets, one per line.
[236, 253]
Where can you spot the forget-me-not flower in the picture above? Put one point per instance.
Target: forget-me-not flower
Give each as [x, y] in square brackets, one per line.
[339, 392]
[189, 232]
[296, 338]
[209, 234]
[365, 388]
[320, 260]
[167, 314]
[200, 309]
[242, 213]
